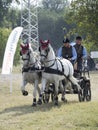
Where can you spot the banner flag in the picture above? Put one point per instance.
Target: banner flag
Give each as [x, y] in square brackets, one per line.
[10, 50]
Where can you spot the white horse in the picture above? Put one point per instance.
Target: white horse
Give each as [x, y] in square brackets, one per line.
[29, 75]
[56, 70]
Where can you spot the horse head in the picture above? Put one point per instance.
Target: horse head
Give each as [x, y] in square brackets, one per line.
[25, 53]
[46, 51]
[30, 58]
[24, 48]
[44, 44]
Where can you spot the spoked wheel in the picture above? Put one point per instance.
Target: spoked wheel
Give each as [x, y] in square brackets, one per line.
[81, 95]
[88, 91]
[85, 93]
[46, 97]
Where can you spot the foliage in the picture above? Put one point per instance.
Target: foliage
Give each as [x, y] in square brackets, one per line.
[4, 5]
[57, 19]
[9, 17]
[13, 19]
[51, 26]
[57, 5]
[4, 32]
[83, 13]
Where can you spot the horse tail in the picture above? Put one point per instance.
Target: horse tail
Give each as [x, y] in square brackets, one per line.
[74, 81]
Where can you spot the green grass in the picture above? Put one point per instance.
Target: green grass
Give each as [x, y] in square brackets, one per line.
[16, 112]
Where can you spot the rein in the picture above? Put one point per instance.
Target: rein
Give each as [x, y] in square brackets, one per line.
[32, 64]
[54, 71]
[48, 69]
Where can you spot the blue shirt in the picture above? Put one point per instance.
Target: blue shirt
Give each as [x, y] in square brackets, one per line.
[74, 53]
[84, 52]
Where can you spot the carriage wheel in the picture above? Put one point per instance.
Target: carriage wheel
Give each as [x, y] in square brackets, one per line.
[46, 97]
[88, 92]
[81, 95]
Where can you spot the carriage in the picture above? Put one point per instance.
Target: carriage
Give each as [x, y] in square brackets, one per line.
[56, 75]
[84, 81]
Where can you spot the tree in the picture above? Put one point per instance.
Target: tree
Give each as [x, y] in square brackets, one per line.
[4, 11]
[4, 5]
[57, 5]
[51, 26]
[84, 14]
[4, 32]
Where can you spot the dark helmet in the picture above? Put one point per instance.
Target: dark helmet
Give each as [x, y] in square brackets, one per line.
[78, 38]
[66, 40]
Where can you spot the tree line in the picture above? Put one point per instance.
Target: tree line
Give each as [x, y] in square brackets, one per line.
[57, 19]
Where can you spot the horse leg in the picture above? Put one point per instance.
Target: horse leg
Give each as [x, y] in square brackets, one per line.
[56, 93]
[24, 92]
[62, 89]
[34, 92]
[42, 90]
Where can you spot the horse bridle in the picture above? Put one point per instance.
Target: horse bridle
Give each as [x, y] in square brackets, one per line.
[47, 50]
[27, 54]
[28, 59]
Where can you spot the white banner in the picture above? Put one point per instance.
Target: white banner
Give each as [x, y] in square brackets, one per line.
[10, 50]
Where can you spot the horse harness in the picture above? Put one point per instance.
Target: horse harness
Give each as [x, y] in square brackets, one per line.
[51, 70]
[55, 71]
[31, 67]
[27, 54]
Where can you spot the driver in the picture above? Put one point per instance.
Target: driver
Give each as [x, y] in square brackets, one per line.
[67, 51]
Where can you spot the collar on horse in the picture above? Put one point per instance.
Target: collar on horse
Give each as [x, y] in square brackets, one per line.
[54, 71]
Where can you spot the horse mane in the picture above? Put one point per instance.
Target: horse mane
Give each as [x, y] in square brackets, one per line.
[51, 48]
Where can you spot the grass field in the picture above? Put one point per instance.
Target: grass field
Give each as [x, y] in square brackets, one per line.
[16, 112]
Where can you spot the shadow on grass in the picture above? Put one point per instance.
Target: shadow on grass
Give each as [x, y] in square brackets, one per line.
[25, 109]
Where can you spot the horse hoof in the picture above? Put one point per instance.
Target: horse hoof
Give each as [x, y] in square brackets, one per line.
[56, 103]
[34, 104]
[39, 102]
[25, 93]
[64, 100]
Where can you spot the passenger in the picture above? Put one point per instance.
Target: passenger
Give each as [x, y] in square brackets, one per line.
[81, 53]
